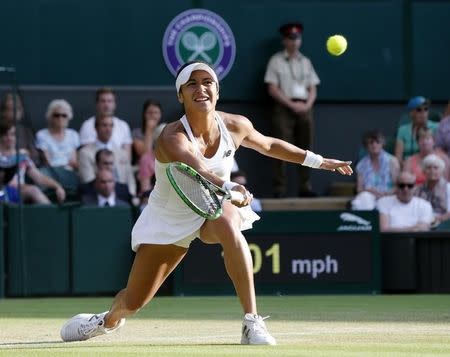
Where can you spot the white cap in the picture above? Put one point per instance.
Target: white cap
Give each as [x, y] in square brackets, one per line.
[185, 74]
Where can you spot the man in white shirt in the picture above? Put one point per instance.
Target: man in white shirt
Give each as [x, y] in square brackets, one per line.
[403, 212]
[104, 127]
[106, 106]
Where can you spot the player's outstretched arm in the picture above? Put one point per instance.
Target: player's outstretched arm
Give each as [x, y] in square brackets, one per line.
[283, 150]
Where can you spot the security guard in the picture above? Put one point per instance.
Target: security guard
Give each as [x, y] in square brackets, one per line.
[291, 82]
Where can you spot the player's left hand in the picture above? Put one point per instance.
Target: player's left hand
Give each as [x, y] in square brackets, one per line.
[247, 196]
[343, 167]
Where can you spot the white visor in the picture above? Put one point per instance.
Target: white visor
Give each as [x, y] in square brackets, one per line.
[185, 74]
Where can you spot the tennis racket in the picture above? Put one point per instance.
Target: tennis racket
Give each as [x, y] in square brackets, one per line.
[201, 195]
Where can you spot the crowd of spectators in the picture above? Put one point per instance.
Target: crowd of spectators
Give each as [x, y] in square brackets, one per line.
[105, 163]
[410, 188]
[108, 164]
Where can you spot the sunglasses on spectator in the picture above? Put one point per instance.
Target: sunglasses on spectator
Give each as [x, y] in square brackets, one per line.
[59, 115]
[421, 109]
[405, 185]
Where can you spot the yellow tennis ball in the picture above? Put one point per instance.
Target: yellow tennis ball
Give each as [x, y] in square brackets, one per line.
[336, 45]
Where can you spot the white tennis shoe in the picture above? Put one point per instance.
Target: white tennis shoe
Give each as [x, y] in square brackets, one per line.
[254, 331]
[82, 327]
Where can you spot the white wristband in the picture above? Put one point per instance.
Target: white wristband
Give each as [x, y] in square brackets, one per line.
[228, 185]
[312, 160]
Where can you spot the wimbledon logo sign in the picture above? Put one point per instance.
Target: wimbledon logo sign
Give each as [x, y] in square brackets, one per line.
[199, 34]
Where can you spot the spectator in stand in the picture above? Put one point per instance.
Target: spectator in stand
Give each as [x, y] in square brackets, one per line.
[104, 127]
[8, 155]
[442, 135]
[240, 177]
[58, 143]
[406, 144]
[426, 147]
[104, 159]
[143, 137]
[436, 188]
[105, 193]
[376, 172]
[146, 173]
[403, 212]
[105, 107]
[24, 133]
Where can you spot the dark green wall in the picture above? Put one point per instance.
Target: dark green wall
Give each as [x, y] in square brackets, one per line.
[396, 47]
[62, 250]
[38, 252]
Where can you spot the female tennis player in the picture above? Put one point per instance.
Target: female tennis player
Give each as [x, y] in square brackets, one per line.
[206, 140]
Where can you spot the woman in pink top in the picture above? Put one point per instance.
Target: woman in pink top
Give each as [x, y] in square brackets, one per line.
[143, 136]
[147, 165]
[426, 145]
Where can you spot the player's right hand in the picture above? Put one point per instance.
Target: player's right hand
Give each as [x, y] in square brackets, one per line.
[343, 167]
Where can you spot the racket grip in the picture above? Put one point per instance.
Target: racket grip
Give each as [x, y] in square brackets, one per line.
[236, 195]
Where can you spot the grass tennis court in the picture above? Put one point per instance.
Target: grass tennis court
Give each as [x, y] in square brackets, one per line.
[384, 325]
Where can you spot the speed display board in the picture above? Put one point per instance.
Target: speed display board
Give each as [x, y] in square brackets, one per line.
[295, 252]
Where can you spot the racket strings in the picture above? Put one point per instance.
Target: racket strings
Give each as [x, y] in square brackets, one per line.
[196, 190]
[209, 199]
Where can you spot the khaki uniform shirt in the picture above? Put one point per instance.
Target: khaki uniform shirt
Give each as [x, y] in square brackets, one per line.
[293, 76]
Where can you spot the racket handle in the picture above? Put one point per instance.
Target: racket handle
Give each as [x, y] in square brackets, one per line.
[236, 195]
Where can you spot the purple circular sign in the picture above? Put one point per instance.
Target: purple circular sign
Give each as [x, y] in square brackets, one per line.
[199, 34]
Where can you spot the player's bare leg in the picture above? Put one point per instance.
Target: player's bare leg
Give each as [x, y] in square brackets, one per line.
[152, 265]
[239, 266]
[237, 256]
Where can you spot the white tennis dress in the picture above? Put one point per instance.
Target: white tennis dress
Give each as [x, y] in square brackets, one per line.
[167, 219]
